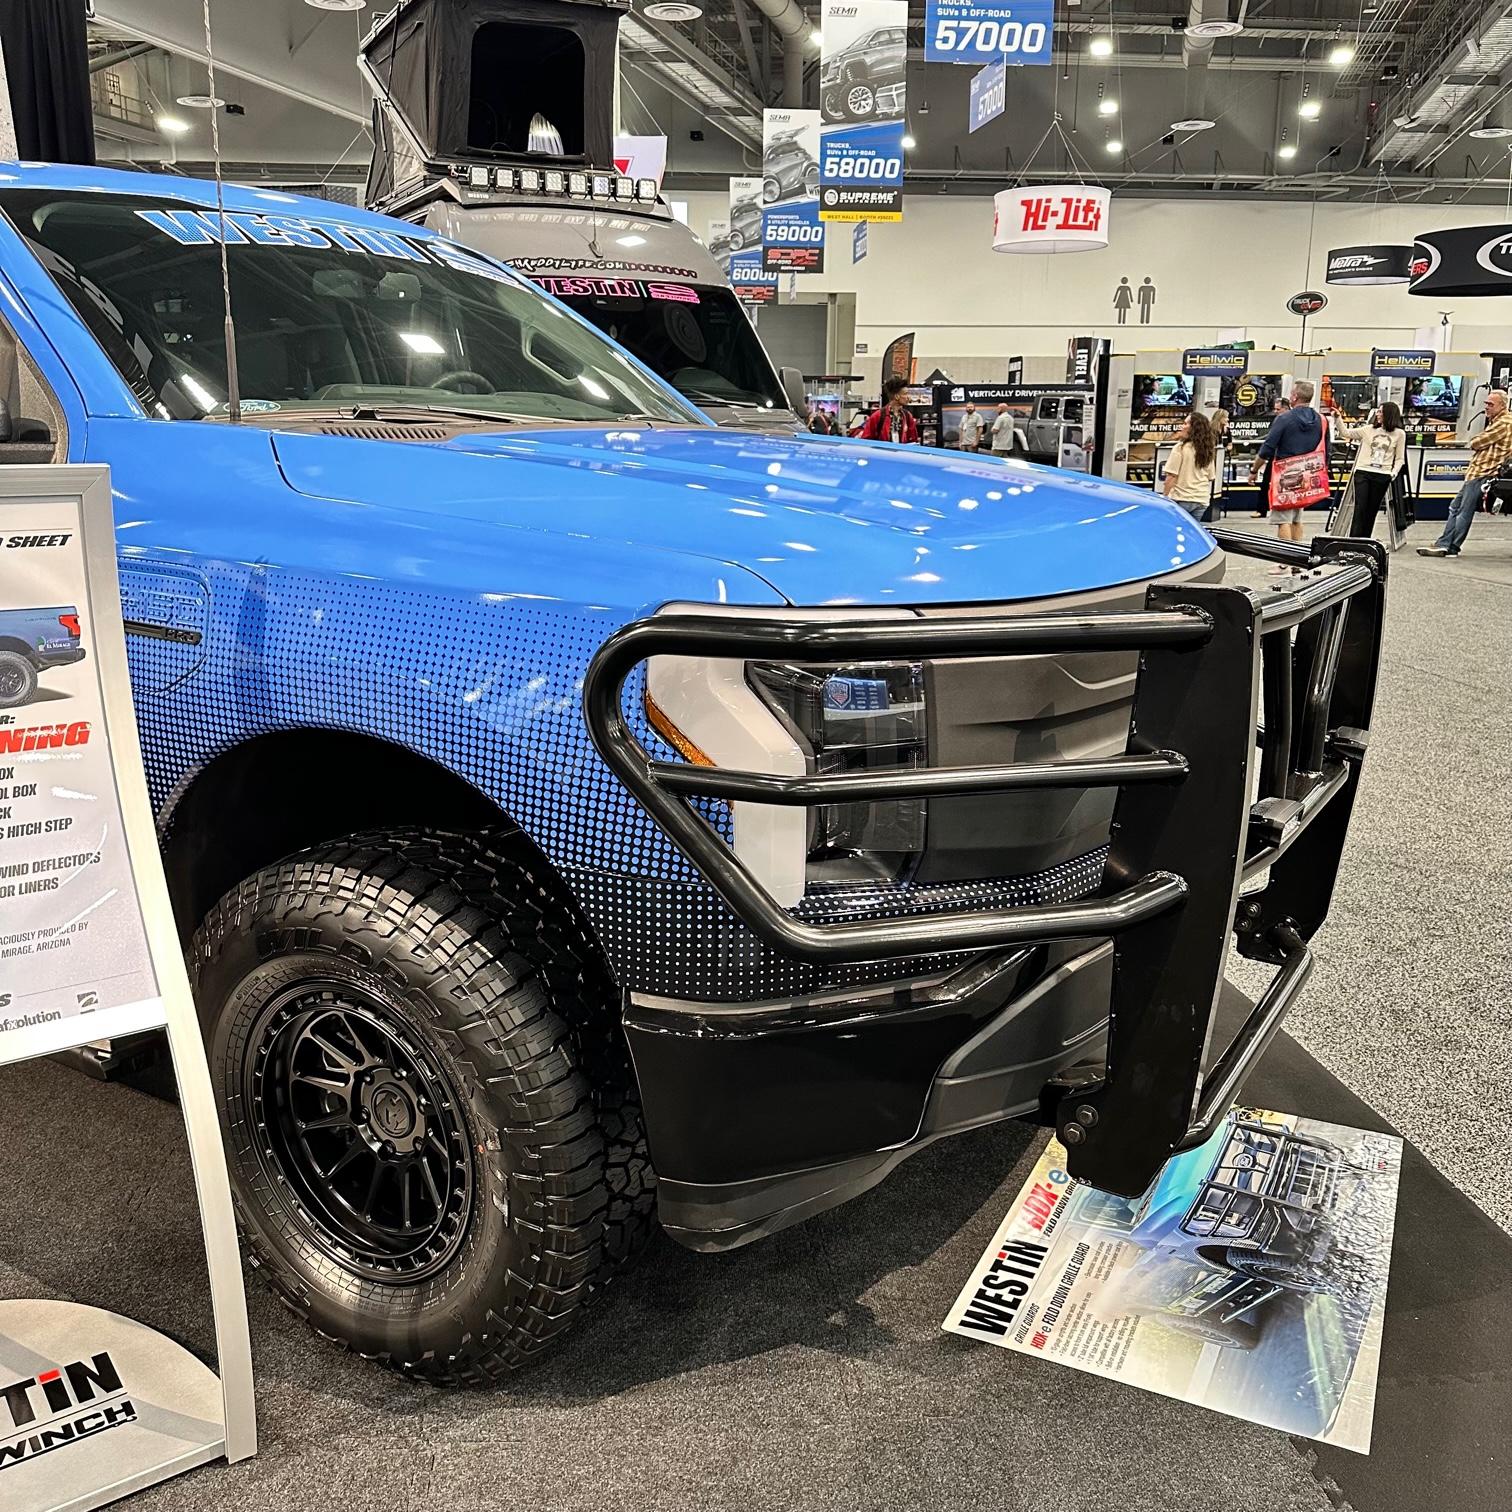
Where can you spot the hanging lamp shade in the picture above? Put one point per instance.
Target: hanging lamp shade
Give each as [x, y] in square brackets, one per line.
[1051, 218]
[1472, 262]
[1377, 263]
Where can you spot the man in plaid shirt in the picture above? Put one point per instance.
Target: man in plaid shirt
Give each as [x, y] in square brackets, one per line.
[1492, 448]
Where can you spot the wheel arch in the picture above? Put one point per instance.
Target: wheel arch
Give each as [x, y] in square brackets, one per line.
[279, 792]
[20, 647]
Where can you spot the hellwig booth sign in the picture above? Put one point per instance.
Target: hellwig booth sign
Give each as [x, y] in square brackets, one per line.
[1466, 261]
[1051, 218]
[94, 1406]
[1393, 363]
[1214, 362]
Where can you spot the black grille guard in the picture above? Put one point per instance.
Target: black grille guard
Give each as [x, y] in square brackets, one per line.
[1198, 815]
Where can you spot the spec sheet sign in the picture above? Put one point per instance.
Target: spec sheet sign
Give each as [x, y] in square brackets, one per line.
[989, 94]
[792, 236]
[862, 96]
[1395, 363]
[75, 964]
[973, 31]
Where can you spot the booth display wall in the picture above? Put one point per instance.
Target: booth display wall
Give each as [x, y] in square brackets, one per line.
[973, 308]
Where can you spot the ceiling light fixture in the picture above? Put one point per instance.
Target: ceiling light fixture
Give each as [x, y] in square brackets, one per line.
[1310, 110]
[672, 10]
[1215, 29]
[171, 125]
[337, 5]
[1107, 107]
[1287, 151]
[1101, 47]
[908, 142]
[1195, 124]
[1491, 133]
[1115, 145]
[200, 102]
[1342, 55]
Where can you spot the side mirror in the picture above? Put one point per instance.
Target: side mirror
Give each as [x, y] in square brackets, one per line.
[7, 428]
[793, 390]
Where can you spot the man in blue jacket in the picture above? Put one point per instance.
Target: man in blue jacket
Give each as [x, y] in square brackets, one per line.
[1293, 433]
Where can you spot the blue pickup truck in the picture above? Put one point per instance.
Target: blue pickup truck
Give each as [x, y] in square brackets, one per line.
[582, 819]
[33, 641]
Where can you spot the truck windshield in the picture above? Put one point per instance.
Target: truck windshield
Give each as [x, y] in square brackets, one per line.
[329, 314]
[695, 336]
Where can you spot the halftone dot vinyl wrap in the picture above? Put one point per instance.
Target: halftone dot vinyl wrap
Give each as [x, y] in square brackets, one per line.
[489, 687]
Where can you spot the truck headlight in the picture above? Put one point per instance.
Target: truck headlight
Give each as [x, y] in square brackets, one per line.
[850, 719]
[792, 720]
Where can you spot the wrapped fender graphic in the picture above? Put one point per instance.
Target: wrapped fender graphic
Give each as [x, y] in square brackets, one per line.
[792, 236]
[862, 97]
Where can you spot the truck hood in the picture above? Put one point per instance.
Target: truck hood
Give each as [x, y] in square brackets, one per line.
[824, 521]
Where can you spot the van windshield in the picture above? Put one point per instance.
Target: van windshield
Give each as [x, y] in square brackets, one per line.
[329, 314]
[695, 336]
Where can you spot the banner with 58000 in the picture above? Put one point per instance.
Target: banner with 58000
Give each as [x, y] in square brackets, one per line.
[980, 31]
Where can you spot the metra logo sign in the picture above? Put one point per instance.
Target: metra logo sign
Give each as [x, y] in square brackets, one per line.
[59, 1407]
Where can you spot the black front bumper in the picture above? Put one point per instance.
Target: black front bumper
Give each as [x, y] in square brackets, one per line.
[763, 1113]
[1210, 840]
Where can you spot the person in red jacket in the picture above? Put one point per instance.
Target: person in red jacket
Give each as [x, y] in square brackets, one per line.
[892, 421]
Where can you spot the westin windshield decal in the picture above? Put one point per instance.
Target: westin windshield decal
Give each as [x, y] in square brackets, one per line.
[200, 228]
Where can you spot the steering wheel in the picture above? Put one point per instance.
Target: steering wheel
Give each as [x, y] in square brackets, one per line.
[463, 381]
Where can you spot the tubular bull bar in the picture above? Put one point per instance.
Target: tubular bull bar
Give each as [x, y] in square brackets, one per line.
[1210, 797]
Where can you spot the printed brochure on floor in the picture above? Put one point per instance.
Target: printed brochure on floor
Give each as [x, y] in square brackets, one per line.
[1250, 1278]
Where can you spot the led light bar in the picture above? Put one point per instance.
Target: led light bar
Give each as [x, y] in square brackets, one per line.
[530, 180]
[645, 189]
[478, 177]
[603, 186]
[504, 178]
[556, 181]
[577, 185]
[624, 188]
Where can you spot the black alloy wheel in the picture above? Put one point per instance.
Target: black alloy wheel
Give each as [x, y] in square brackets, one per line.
[18, 679]
[362, 1130]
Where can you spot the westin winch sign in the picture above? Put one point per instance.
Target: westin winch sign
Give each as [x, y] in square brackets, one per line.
[60, 1406]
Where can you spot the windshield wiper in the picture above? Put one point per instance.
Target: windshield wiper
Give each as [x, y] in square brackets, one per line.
[700, 396]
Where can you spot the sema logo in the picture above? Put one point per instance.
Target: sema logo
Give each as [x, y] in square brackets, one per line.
[59, 1407]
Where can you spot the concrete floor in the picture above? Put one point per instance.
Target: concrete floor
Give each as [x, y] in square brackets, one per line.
[809, 1372]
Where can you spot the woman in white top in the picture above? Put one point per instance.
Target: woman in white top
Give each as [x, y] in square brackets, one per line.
[1383, 449]
[1192, 466]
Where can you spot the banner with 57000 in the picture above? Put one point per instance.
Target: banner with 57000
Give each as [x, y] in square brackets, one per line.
[980, 31]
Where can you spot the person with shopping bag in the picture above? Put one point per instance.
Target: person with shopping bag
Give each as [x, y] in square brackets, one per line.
[1297, 451]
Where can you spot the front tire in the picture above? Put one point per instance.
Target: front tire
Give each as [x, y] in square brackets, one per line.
[416, 1153]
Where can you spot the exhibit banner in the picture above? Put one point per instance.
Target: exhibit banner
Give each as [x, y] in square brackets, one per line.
[989, 95]
[972, 31]
[792, 235]
[858, 242]
[1214, 362]
[1468, 261]
[862, 96]
[719, 242]
[1051, 218]
[1394, 362]
[747, 213]
[898, 359]
[1369, 265]
[1250, 1278]
[641, 157]
[752, 283]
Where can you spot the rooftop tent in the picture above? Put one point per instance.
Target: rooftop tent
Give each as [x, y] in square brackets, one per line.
[465, 77]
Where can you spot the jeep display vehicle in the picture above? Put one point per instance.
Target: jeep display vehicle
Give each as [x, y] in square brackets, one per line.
[556, 789]
[457, 85]
[33, 641]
